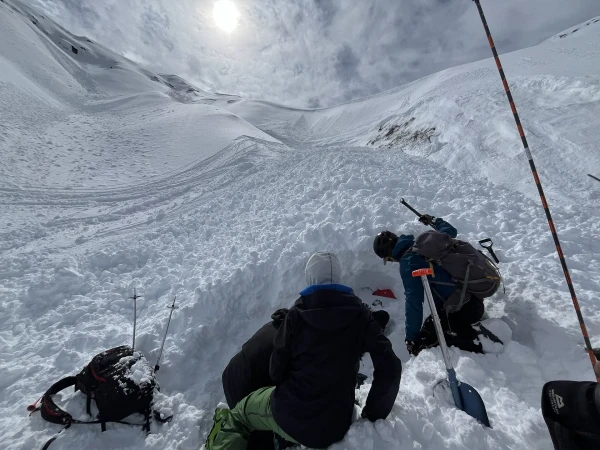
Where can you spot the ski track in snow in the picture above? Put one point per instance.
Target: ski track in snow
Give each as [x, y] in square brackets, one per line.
[112, 180]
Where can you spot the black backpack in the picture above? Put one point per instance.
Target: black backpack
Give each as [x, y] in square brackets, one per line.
[473, 273]
[119, 380]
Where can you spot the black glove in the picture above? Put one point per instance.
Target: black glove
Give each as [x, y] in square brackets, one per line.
[413, 347]
[279, 316]
[363, 414]
[426, 219]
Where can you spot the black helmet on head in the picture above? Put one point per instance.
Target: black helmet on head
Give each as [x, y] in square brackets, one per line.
[384, 243]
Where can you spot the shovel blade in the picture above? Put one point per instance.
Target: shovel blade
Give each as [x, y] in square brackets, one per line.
[473, 403]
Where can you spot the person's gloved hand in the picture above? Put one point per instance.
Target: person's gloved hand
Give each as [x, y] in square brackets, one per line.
[413, 347]
[279, 316]
[426, 219]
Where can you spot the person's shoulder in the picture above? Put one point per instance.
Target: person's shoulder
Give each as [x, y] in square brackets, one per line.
[411, 259]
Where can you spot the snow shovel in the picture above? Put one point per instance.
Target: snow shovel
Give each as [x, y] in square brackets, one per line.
[465, 396]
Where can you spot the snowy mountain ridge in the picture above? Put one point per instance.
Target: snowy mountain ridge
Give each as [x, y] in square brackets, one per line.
[112, 180]
[595, 23]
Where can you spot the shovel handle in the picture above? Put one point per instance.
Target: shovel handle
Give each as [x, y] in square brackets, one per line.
[422, 272]
[485, 241]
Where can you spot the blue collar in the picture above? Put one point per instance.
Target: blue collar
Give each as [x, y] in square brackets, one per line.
[322, 287]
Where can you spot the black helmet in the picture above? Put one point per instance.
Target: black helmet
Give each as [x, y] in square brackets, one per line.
[384, 243]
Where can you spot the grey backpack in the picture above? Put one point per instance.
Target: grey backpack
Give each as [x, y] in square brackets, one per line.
[472, 272]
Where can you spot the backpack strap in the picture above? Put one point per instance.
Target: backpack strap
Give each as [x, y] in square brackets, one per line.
[48, 408]
[53, 438]
[463, 291]
[88, 405]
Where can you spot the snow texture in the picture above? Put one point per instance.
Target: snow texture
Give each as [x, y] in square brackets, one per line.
[140, 371]
[114, 177]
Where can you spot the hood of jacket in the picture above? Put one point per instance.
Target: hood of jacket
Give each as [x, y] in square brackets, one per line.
[323, 268]
[329, 307]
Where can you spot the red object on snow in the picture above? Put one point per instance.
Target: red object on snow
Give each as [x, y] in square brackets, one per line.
[384, 293]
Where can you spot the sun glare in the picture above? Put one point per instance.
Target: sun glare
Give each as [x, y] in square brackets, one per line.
[226, 15]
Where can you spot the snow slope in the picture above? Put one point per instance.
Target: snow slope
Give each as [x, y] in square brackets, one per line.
[112, 180]
[459, 118]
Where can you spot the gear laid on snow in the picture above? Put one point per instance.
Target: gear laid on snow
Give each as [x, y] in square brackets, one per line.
[119, 380]
[111, 380]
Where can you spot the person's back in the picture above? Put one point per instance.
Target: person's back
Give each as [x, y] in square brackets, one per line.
[314, 363]
[317, 355]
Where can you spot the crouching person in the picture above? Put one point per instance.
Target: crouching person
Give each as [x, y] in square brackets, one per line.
[314, 364]
[248, 371]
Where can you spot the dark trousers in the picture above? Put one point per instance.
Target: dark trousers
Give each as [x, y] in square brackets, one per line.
[571, 410]
[457, 327]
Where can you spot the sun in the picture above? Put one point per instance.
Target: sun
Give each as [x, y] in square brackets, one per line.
[226, 15]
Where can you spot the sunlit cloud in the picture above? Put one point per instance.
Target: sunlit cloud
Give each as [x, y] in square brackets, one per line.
[311, 52]
[226, 15]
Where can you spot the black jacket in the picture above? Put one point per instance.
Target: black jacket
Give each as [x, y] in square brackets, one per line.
[315, 361]
[248, 370]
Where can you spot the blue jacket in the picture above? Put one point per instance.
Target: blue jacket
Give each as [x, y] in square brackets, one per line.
[413, 287]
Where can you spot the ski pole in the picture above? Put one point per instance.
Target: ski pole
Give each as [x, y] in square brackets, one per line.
[172, 307]
[539, 187]
[135, 297]
[592, 176]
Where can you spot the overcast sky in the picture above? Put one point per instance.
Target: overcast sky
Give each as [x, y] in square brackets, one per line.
[313, 52]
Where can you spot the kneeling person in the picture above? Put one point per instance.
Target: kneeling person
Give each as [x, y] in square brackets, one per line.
[314, 364]
[458, 309]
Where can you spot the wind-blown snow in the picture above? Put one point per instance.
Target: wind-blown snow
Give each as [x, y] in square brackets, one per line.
[115, 178]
